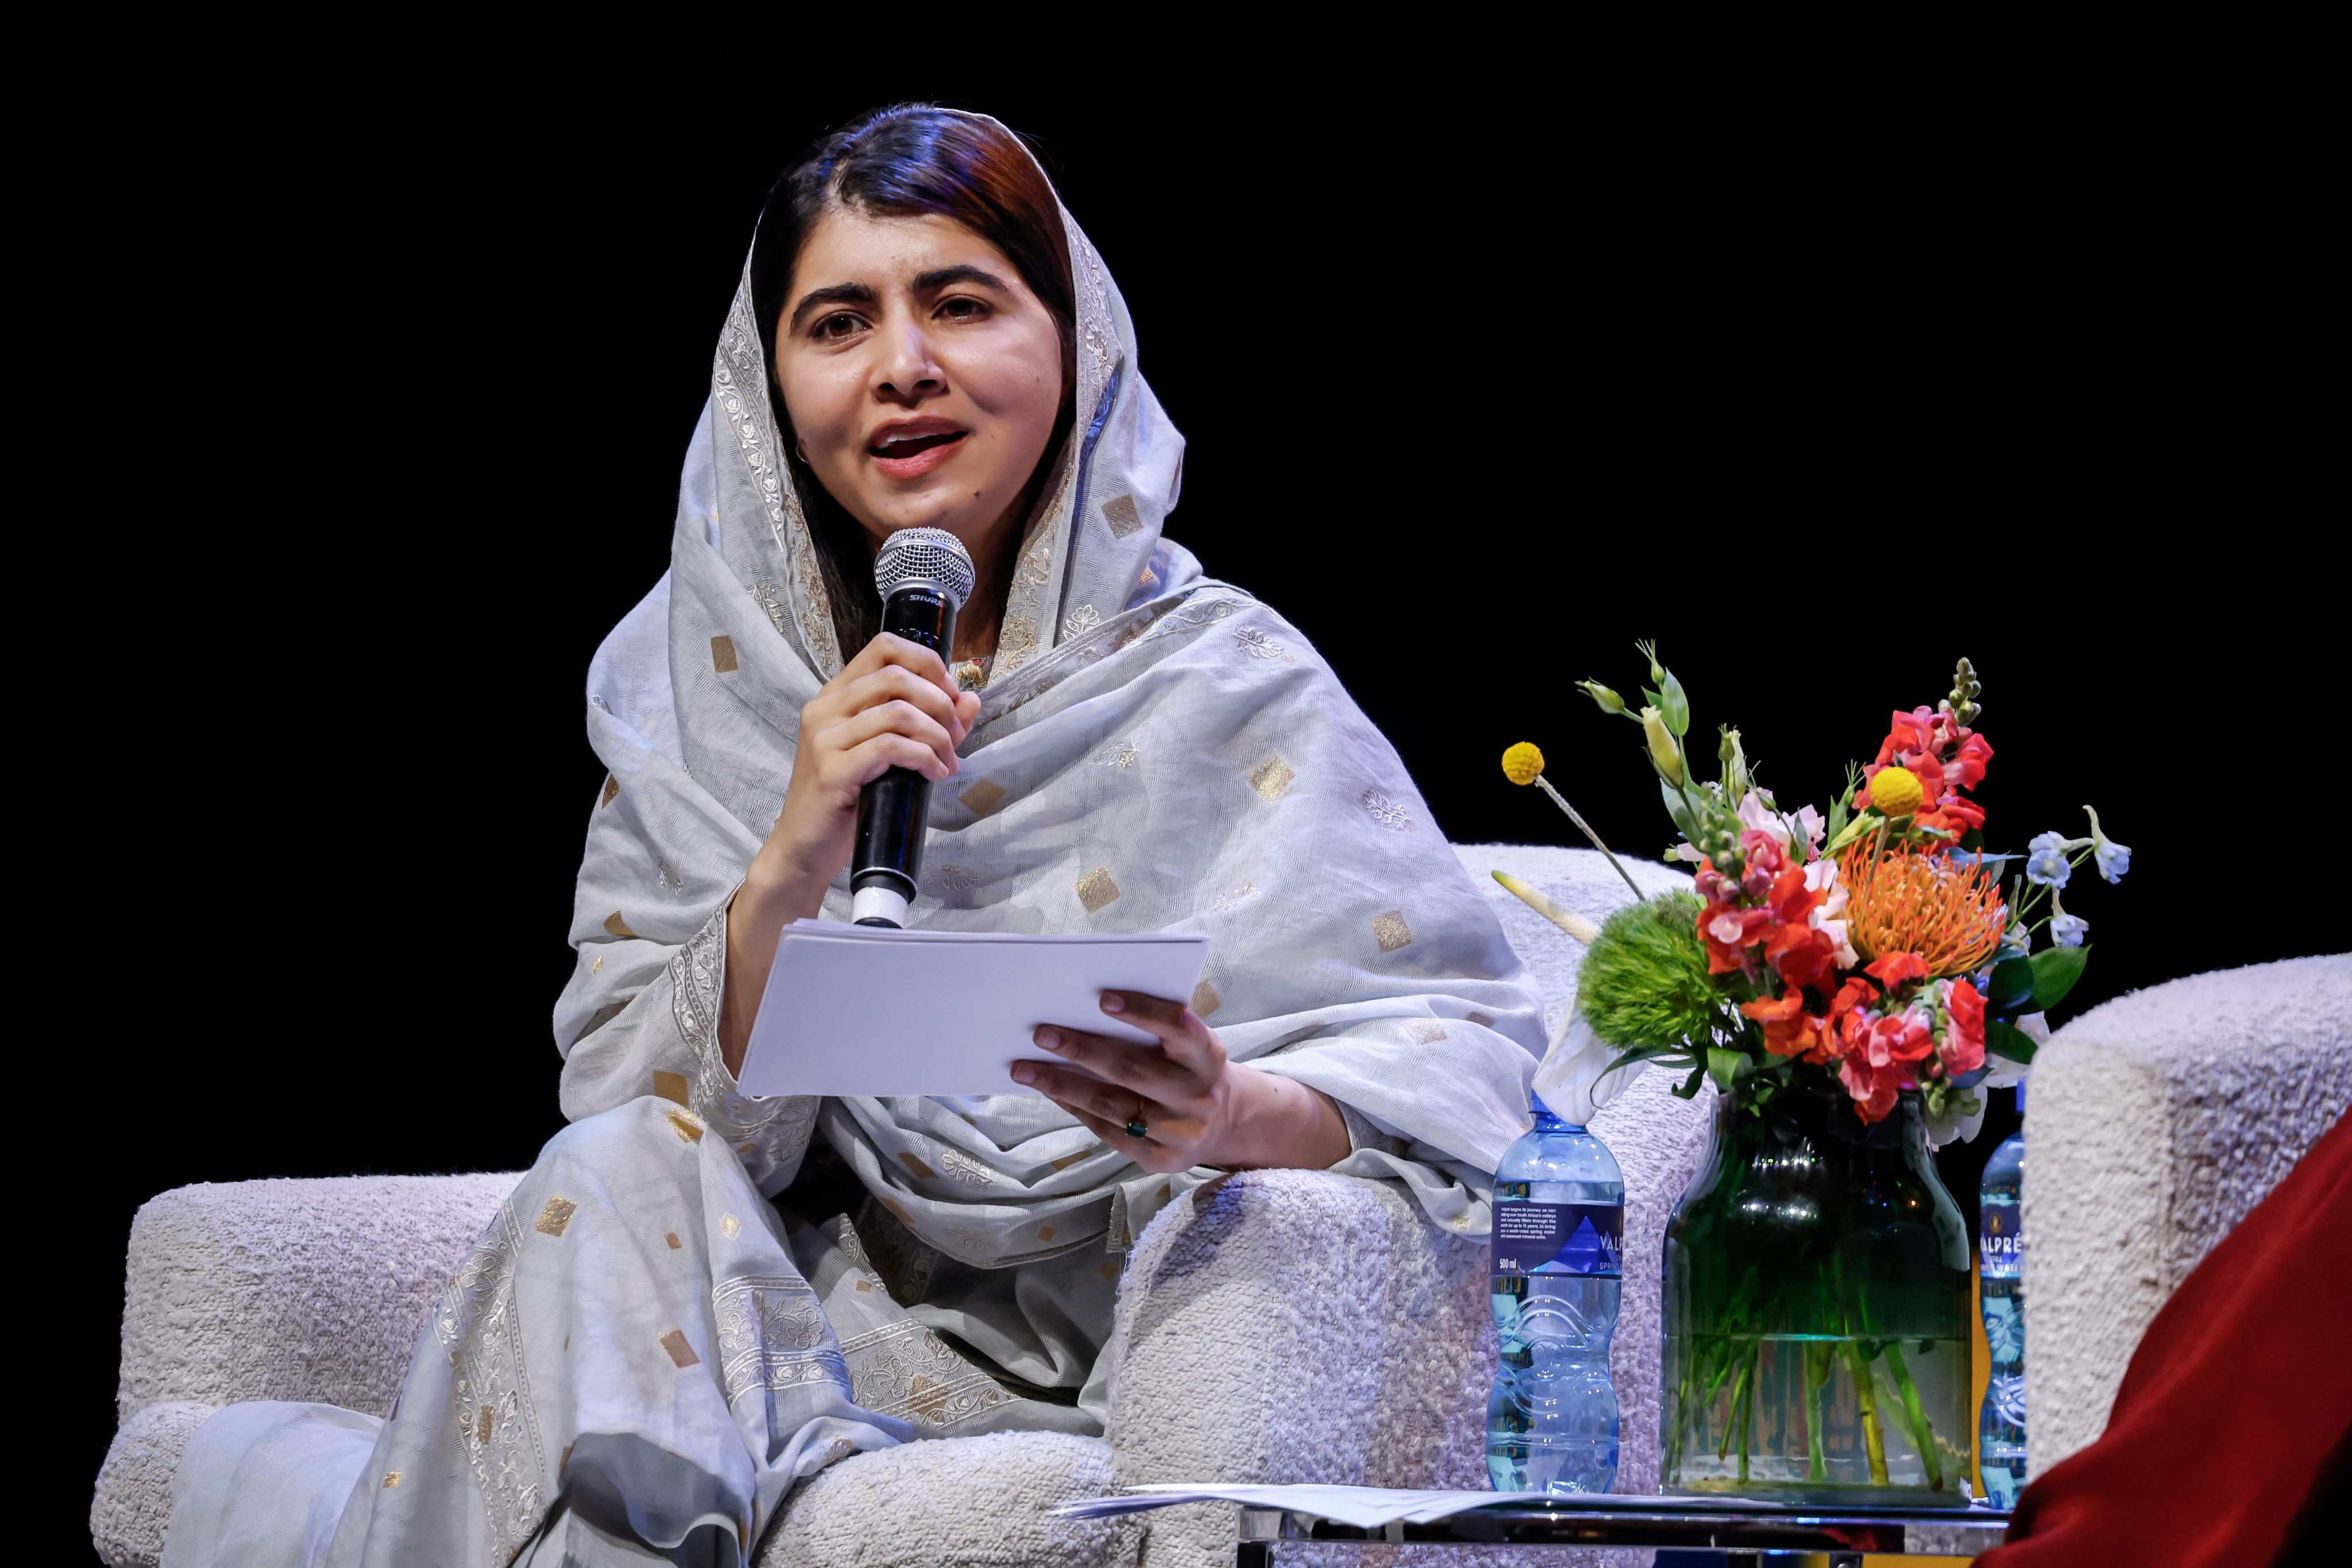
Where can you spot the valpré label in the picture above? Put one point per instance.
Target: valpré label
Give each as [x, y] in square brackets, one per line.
[1558, 1238]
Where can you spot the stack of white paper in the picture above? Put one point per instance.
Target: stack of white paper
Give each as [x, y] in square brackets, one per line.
[873, 1010]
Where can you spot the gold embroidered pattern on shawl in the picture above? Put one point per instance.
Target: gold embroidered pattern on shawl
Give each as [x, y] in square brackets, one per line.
[680, 1353]
[1119, 758]
[683, 1123]
[1120, 514]
[612, 788]
[1096, 889]
[1391, 932]
[1230, 897]
[1425, 1031]
[555, 1216]
[497, 1423]
[1205, 999]
[1484, 1020]
[1271, 778]
[1384, 811]
[1083, 619]
[772, 1334]
[617, 926]
[903, 1369]
[983, 796]
[722, 654]
[954, 878]
[670, 1086]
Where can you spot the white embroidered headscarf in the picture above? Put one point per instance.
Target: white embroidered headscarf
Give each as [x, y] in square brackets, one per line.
[1156, 750]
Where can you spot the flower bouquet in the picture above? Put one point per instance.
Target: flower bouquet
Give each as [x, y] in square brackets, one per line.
[1850, 982]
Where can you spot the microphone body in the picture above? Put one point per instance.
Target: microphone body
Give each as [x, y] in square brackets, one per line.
[924, 575]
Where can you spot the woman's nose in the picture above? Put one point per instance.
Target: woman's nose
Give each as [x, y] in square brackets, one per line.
[908, 363]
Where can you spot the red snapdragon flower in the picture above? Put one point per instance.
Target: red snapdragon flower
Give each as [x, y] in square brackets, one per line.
[1789, 1030]
[1963, 1048]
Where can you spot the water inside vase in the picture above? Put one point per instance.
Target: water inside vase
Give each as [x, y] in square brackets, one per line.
[1763, 1412]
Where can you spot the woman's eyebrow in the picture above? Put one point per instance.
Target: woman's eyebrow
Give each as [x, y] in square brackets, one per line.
[925, 282]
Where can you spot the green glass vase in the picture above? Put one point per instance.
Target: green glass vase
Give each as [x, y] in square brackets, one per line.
[1815, 1313]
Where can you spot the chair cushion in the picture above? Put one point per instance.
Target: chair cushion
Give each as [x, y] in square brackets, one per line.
[955, 1502]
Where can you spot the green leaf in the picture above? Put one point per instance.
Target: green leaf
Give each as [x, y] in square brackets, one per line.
[1677, 808]
[1676, 707]
[1689, 1087]
[2012, 985]
[2009, 1040]
[1726, 1066]
[2055, 970]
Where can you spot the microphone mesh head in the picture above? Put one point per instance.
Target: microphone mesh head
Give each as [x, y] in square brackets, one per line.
[932, 557]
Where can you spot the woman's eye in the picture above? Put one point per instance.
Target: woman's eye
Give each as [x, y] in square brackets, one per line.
[822, 329]
[978, 309]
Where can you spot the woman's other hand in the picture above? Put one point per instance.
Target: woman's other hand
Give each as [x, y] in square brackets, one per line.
[895, 705]
[1196, 1108]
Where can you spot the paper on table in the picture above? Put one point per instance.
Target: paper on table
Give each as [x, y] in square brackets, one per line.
[872, 1010]
[1370, 1508]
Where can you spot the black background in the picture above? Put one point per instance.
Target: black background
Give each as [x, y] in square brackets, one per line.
[389, 391]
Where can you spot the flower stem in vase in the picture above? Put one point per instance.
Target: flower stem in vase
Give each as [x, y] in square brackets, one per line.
[1874, 1444]
[1914, 1419]
[1818, 1362]
[1748, 1416]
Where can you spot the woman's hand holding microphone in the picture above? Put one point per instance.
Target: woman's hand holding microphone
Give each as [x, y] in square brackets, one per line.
[894, 705]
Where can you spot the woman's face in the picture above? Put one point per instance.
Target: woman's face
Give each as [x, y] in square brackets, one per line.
[890, 320]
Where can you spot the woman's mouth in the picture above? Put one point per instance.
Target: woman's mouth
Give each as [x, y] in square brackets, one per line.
[905, 459]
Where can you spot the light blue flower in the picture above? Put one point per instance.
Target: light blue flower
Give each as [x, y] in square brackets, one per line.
[2047, 864]
[2068, 931]
[2114, 858]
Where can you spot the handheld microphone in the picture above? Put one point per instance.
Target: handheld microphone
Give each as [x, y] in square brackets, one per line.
[925, 576]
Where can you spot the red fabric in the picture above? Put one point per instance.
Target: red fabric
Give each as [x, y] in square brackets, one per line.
[2231, 1406]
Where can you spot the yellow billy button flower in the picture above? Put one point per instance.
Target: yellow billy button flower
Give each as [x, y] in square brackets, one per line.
[1522, 764]
[1895, 792]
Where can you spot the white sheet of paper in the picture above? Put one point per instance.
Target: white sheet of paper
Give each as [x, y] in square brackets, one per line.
[1371, 1508]
[871, 1010]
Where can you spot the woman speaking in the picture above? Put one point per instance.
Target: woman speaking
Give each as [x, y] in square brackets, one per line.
[695, 1299]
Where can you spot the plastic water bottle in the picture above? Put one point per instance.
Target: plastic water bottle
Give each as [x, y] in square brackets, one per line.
[2001, 1253]
[1559, 1229]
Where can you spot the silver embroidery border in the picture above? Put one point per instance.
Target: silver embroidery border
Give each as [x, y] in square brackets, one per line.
[478, 1326]
[882, 1377]
[776, 1123]
[749, 1356]
[744, 401]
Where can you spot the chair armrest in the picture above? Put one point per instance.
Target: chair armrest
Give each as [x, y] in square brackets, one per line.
[2157, 1121]
[1296, 1326]
[292, 1290]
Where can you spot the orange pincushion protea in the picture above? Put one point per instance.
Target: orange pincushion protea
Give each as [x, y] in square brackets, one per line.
[1909, 899]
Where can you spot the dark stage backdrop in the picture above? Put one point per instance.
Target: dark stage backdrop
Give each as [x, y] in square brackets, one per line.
[401, 400]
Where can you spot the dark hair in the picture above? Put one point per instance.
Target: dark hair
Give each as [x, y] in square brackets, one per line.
[906, 160]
